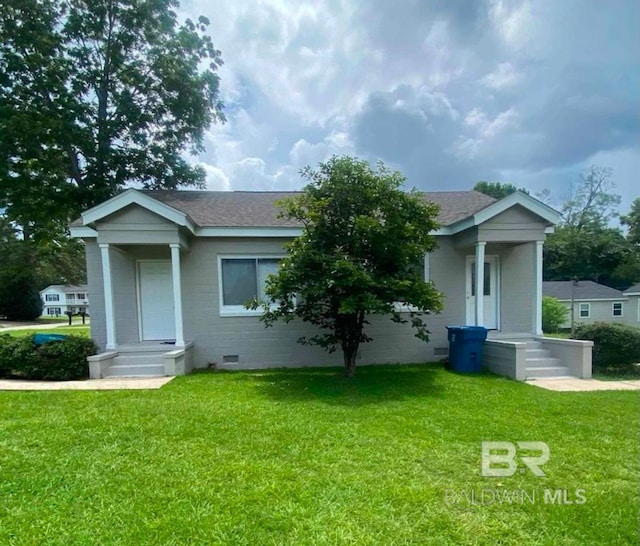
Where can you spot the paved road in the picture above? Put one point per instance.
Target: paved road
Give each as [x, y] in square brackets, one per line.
[6, 326]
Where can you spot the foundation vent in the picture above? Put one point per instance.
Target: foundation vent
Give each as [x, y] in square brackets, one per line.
[230, 359]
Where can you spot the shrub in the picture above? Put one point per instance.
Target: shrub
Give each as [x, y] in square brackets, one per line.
[615, 346]
[20, 299]
[56, 360]
[554, 314]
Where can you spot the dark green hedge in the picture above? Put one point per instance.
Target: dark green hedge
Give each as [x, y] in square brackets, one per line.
[615, 346]
[56, 360]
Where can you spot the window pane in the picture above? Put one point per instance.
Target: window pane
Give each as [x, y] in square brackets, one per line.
[584, 310]
[238, 281]
[266, 267]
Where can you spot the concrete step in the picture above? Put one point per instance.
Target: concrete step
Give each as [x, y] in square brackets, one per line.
[540, 372]
[542, 362]
[537, 353]
[533, 345]
[136, 365]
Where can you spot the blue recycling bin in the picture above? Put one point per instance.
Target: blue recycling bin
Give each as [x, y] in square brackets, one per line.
[41, 339]
[465, 348]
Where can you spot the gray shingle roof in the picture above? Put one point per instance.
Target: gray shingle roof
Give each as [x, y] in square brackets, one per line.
[68, 288]
[635, 289]
[584, 290]
[259, 209]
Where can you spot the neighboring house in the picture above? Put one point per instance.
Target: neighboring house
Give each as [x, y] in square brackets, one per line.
[57, 299]
[169, 272]
[633, 306]
[592, 302]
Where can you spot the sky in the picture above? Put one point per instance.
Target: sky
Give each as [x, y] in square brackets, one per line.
[447, 92]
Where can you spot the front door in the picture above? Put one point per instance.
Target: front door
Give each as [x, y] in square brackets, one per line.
[489, 291]
[157, 319]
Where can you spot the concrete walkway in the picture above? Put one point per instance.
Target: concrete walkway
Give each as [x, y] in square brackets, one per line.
[573, 384]
[111, 384]
[39, 326]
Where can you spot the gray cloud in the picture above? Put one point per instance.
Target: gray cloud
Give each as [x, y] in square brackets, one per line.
[447, 92]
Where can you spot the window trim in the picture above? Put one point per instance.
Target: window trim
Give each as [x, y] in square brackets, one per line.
[49, 298]
[580, 304]
[240, 310]
[613, 309]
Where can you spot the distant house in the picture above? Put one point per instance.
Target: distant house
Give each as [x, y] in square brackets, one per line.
[633, 295]
[57, 299]
[592, 302]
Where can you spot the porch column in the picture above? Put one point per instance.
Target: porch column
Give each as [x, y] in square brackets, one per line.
[480, 283]
[108, 296]
[537, 283]
[177, 292]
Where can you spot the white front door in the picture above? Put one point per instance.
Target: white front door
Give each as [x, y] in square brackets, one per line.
[157, 319]
[489, 290]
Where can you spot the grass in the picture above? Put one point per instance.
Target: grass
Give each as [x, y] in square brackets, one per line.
[75, 330]
[305, 457]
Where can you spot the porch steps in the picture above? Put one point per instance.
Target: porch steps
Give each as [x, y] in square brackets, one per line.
[137, 364]
[540, 364]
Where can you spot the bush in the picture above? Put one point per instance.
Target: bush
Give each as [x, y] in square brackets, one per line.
[615, 346]
[20, 299]
[554, 315]
[56, 360]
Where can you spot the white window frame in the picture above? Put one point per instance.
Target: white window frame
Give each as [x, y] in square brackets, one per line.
[613, 309]
[49, 298]
[580, 304]
[402, 307]
[240, 310]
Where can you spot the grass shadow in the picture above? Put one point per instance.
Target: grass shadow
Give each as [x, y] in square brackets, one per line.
[371, 385]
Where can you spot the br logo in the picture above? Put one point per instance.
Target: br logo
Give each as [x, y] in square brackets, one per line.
[499, 458]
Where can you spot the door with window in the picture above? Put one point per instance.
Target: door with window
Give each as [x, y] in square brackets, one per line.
[155, 289]
[489, 291]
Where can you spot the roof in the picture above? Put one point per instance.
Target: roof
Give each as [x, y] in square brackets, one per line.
[635, 289]
[584, 290]
[260, 209]
[67, 288]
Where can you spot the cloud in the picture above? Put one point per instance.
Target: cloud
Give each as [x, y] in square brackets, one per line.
[447, 92]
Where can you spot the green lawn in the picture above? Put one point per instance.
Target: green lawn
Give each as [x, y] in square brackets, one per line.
[297, 457]
[75, 330]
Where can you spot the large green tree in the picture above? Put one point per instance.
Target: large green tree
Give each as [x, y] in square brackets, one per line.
[363, 242]
[632, 221]
[497, 190]
[94, 95]
[584, 245]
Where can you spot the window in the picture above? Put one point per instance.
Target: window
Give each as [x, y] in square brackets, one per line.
[54, 311]
[487, 279]
[616, 309]
[423, 269]
[242, 280]
[52, 297]
[584, 310]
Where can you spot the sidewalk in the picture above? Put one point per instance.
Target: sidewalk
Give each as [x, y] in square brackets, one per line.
[573, 384]
[113, 384]
[36, 326]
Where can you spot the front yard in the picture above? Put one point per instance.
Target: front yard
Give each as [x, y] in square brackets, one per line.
[294, 457]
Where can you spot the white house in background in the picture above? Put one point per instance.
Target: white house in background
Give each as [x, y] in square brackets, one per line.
[592, 302]
[633, 295]
[169, 272]
[57, 299]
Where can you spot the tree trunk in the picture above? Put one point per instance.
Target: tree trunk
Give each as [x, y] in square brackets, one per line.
[350, 361]
[349, 330]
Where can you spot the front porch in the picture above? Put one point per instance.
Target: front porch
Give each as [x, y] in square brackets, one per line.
[142, 360]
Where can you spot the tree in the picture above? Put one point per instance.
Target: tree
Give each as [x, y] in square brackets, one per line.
[632, 220]
[584, 246]
[19, 294]
[95, 95]
[554, 314]
[497, 190]
[359, 255]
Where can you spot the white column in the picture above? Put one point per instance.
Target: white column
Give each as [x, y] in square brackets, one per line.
[480, 283]
[108, 296]
[177, 292]
[537, 283]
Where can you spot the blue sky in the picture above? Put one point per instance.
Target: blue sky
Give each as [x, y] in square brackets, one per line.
[447, 92]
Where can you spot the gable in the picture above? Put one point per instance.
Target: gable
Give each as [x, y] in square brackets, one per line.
[134, 217]
[516, 217]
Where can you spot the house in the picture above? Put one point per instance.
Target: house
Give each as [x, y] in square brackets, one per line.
[169, 271]
[632, 314]
[592, 302]
[58, 299]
